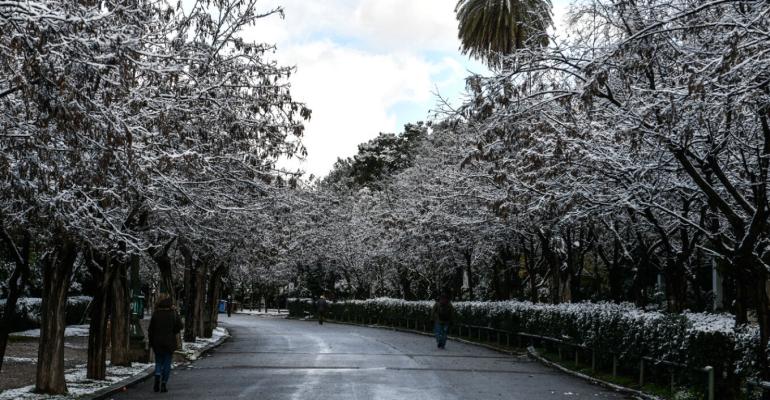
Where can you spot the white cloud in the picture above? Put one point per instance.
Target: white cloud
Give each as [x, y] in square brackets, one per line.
[366, 66]
[351, 93]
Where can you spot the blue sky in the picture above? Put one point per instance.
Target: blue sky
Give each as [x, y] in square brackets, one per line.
[366, 66]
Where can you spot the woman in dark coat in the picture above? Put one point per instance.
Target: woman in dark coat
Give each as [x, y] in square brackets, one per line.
[165, 324]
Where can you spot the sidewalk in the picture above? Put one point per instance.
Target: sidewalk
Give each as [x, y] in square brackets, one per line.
[117, 377]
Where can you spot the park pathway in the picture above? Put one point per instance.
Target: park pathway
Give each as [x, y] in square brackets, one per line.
[270, 358]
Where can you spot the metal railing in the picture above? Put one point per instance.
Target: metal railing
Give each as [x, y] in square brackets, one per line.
[480, 332]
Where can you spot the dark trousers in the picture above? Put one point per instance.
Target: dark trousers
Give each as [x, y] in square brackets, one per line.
[441, 329]
[163, 365]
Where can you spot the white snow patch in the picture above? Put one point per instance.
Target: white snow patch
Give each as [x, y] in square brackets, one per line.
[70, 331]
[192, 350]
[20, 359]
[77, 384]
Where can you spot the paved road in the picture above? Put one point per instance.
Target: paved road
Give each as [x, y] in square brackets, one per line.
[278, 359]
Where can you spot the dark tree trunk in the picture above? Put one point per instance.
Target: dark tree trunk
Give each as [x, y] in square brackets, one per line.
[103, 271]
[16, 283]
[469, 270]
[406, 283]
[57, 273]
[200, 299]
[190, 295]
[120, 319]
[553, 267]
[165, 267]
[529, 267]
[212, 301]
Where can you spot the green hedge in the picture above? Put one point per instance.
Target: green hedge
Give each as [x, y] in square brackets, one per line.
[695, 340]
[28, 312]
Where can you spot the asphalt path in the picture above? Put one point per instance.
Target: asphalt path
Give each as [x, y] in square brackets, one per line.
[271, 358]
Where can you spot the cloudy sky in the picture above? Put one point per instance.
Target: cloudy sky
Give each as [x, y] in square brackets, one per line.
[367, 66]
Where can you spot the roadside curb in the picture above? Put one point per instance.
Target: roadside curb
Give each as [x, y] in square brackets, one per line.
[596, 381]
[531, 352]
[150, 371]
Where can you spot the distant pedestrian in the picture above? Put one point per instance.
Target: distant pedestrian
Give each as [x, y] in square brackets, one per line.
[443, 316]
[321, 307]
[229, 306]
[165, 324]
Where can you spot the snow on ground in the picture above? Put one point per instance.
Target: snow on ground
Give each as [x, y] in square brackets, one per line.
[20, 359]
[77, 383]
[70, 331]
[192, 350]
[269, 312]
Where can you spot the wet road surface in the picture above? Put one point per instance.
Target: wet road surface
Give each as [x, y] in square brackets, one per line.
[270, 358]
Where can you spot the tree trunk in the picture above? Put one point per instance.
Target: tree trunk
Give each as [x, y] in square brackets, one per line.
[212, 301]
[57, 273]
[763, 319]
[200, 299]
[190, 292]
[102, 269]
[469, 267]
[16, 283]
[121, 314]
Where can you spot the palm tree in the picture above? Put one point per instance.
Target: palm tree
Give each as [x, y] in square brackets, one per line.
[489, 29]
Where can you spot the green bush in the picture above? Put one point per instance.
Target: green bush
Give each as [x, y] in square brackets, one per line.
[28, 312]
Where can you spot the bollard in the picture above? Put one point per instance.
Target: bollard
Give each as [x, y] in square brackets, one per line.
[560, 355]
[577, 356]
[641, 372]
[614, 366]
[593, 360]
[710, 371]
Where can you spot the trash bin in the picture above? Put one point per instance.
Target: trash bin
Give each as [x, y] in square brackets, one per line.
[222, 306]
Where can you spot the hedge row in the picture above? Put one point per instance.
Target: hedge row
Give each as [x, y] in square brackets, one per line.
[693, 339]
[28, 312]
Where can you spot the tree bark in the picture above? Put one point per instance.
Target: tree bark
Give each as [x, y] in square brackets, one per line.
[212, 301]
[16, 283]
[57, 273]
[121, 314]
[102, 269]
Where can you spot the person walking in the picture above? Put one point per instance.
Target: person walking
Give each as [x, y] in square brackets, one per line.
[443, 315]
[165, 324]
[229, 306]
[321, 306]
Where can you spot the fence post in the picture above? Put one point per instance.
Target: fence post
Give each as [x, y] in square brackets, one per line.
[673, 382]
[641, 372]
[577, 356]
[710, 372]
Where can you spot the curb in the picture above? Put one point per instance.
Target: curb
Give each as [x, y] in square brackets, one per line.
[596, 381]
[149, 372]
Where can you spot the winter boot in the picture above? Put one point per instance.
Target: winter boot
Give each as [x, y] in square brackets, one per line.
[156, 385]
[163, 388]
